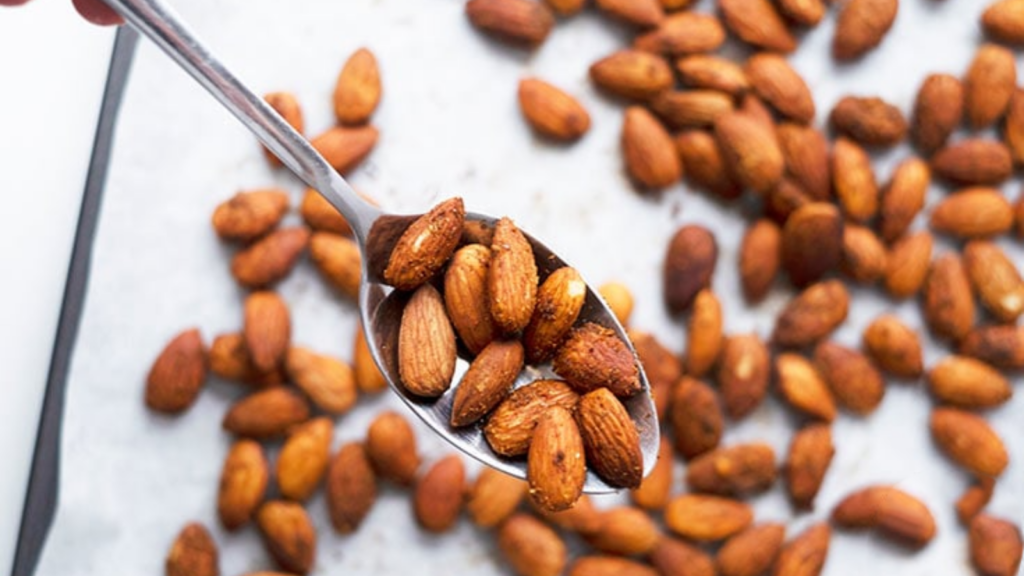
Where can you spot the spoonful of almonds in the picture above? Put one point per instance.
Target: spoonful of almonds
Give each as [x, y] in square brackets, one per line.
[489, 337]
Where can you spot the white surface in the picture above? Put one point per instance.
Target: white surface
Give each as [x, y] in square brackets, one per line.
[53, 70]
[449, 126]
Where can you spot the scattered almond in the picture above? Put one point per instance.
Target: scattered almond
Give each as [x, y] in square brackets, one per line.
[812, 242]
[999, 345]
[674, 557]
[908, 264]
[351, 488]
[854, 181]
[243, 484]
[807, 158]
[696, 417]
[249, 215]
[861, 26]
[345, 148]
[328, 382]
[640, 13]
[391, 448]
[750, 150]
[689, 265]
[743, 374]
[552, 112]
[269, 259]
[974, 499]
[632, 74]
[969, 441]
[707, 518]
[494, 497]
[266, 414]
[946, 299]
[870, 121]
[648, 152]
[178, 374]
[287, 105]
[608, 566]
[851, 376]
[712, 73]
[938, 108]
[802, 386]
[968, 383]
[618, 298]
[368, 376]
[625, 531]
[683, 33]
[995, 546]
[194, 553]
[973, 213]
[865, 258]
[339, 260]
[288, 535]
[303, 459]
[894, 347]
[891, 511]
[778, 84]
[757, 23]
[230, 359]
[810, 454]
[974, 161]
[1013, 127]
[989, 84]
[903, 198]
[320, 215]
[806, 12]
[437, 498]
[523, 22]
[752, 551]
[358, 90]
[805, 554]
[812, 315]
[1003, 20]
[656, 488]
[760, 257]
[995, 279]
[737, 470]
[530, 547]
[704, 334]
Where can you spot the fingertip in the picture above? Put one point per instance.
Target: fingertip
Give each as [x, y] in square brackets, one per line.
[97, 12]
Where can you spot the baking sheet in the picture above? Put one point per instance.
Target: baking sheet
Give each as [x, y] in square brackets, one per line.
[449, 126]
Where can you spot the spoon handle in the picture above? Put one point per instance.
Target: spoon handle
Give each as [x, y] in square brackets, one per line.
[158, 21]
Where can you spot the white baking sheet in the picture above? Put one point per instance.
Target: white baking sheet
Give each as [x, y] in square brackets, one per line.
[450, 126]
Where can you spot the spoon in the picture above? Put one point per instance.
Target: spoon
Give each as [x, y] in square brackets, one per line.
[375, 232]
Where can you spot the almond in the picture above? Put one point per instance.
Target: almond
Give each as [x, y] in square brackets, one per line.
[995, 546]
[594, 357]
[696, 417]
[1001, 346]
[692, 108]
[319, 214]
[894, 347]
[712, 73]
[655, 489]
[661, 366]
[806, 153]
[803, 387]
[974, 161]
[752, 551]
[812, 315]
[249, 215]
[974, 499]
[854, 181]
[805, 12]
[559, 301]
[243, 484]
[751, 151]
[650, 158]
[466, 297]
[869, 121]
[903, 197]
[865, 258]
[707, 518]
[757, 23]
[760, 256]
[494, 497]
[778, 84]
[510, 427]
[1003, 20]
[989, 84]
[862, 25]
[487, 382]
[328, 382]
[968, 383]
[608, 566]
[973, 213]
[783, 200]
[556, 468]
[511, 278]
[683, 33]
[996, 280]
[288, 535]
[287, 105]
[178, 374]
[938, 108]
[345, 148]
[969, 441]
[583, 518]
[610, 439]
[640, 13]
[368, 376]
[426, 345]
[391, 448]
[357, 92]
[625, 531]
[194, 553]
[632, 74]
[1013, 127]
[522, 22]
[552, 112]
[229, 359]
[619, 300]
[426, 245]
[267, 329]
[704, 334]
[303, 459]
[673, 557]
[812, 242]
[269, 259]
[908, 263]
[266, 414]
[805, 554]
[737, 470]
[743, 374]
[530, 547]
[891, 511]
[755, 107]
[351, 488]
[437, 497]
[946, 299]
[851, 376]
[566, 7]
[689, 265]
[339, 260]
[810, 454]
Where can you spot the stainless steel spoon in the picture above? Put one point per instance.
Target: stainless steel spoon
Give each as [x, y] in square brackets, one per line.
[375, 232]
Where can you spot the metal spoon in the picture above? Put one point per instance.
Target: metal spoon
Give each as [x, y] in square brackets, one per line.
[375, 232]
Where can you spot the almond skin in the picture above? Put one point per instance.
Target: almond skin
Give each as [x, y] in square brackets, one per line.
[946, 299]
[682, 33]
[487, 382]
[368, 377]
[194, 553]
[812, 242]
[743, 374]
[973, 213]
[288, 535]
[752, 551]
[891, 511]
[1000, 346]
[625, 531]
[894, 347]
[320, 215]
[391, 448]
[1013, 127]
[938, 109]
[610, 439]
[510, 427]
[674, 557]
[559, 301]
[704, 165]
[779, 85]
[426, 245]
[803, 387]
[437, 497]
[969, 441]
[737, 470]
[656, 488]
[806, 12]
[634, 74]
[661, 366]
[995, 546]
[178, 374]
[494, 497]
[760, 258]
[967, 383]
[908, 263]
[974, 499]
[851, 376]
[810, 454]
[552, 112]
[783, 200]
[805, 554]
[522, 22]
[243, 484]
[358, 90]
[974, 161]
[703, 334]
[689, 265]
[583, 518]
[556, 468]
[619, 300]
[707, 518]
[862, 25]
[870, 121]
[328, 382]
[854, 181]
[338, 260]
[594, 357]
[531, 547]
[640, 13]
[267, 329]
[511, 278]
[426, 345]
[865, 258]
[691, 108]
[345, 148]
[466, 297]
[249, 215]
[269, 259]
[230, 359]
[1003, 20]
[303, 459]
[608, 566]
[287, 105]
[696, 417]
[266, 414]
[903, 198]
[807, 158]
[751, 151]
[995, 279]
[757, 23]
[566, 7]
[650, 158]
[989, 84]
[812, 315]
[712, 73]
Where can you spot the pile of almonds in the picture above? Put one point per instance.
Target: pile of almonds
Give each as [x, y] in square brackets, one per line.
[738, 130]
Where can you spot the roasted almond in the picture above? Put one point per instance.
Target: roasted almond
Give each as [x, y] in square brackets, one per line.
[531, 547]
[565, 7]
[851, 376]
[938, 108]
[707, 518]
[751, 151]
[974, 499]
[696, 417]
[267, 329]
[466, 297]
[619, 300]
[426, 345]
[656, 488]
[854, 180]
[632, 74]
[743, 374]
[249, 215]
[1013, 127]
[625, 531]
[437, 496]
[995, 279]
[358, 89]
[510, 427]
[511, 278]
[610, 439]
[803, 387]
[869, 121]
[640, 13]
[891, 511]
[946, 299]
[894, 347]
[810, 454]
[1001, 346]
[689, 264]
[487, 382]
[303, 459]
[805, 554]
[320, 215]
[583, 518]
[703, 334]
[269, 259]
[674, 557]
[230, 359]
[737, 470]
[551, 111]
[682, 33]
[609, 566]
[903, 197]
[865, 258]
[178, 374]
[328, 382]
[806, 12]
[862, 25]
[712, 73]
[559, 301]
[661, 366]
[339, 260]
[367, 374]
[1003, 20]
[973, 213]
[287, 105]
[494, 497]
[995, 546]
[351, 487]
[650, 158]
[776, 82]
[523, 22]
[969, 441]
[806, 153]
[243, 484]
[974, 161]
[391, 448]
[783, 200]
[345, 148]
[760, 257]
[812, 315]
[194, 553]
[757, 23]
[268, 413]
[594, 357]
[426, 245]
[812, 242]
[989, 84]
[691, 108]
[752, 551]
[908, 263]
[556, 468]
[288, 535]
[967, 383]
